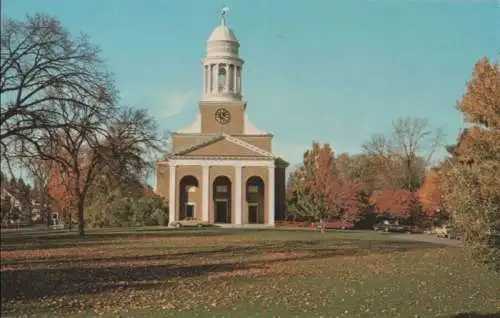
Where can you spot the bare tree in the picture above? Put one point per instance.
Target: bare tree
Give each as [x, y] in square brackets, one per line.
[44, 71]
[409, 148]
[123, 144]
[415, 137]
[132, 146]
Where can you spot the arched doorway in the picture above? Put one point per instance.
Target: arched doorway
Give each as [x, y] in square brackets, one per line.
[187, 192]
[255, 200]
[222, 199]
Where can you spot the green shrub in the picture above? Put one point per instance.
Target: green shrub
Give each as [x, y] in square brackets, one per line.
[126, 212]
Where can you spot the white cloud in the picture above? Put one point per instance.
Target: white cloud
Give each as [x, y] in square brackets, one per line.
[161, 102]
[173, 103]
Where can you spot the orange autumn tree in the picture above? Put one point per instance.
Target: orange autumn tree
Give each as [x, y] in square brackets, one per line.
[318, 164]
[400, 204]
[334, 197]
[430, 195]
[350, 200]
[61, 190]
[480, 105]
[471, 184]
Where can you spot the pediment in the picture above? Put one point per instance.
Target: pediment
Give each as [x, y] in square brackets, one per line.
[225, 145]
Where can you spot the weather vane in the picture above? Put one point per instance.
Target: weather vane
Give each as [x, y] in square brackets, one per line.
[223, 14]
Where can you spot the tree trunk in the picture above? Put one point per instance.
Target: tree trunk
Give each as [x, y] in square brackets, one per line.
[45, 217]
[322, 226]
[81, 222]
[70, 225]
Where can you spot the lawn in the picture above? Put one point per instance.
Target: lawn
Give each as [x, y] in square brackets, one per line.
[238, 273]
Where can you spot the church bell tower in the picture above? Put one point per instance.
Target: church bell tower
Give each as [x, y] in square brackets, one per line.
[221, 107]
[222, 66]
[221, 168]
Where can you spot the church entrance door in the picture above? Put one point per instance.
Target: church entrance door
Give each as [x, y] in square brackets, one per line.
[255, 200]
[253, 213]
[222, 211]
[222, 199]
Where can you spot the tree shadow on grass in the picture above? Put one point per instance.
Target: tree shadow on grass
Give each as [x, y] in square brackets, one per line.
[48, 240]
[32, 284]
[356, 247]
[476, 315]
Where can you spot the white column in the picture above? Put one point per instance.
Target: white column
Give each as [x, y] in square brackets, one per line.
[238, 195]
[241, 80]
[213, 77]
[210, 79]
[216, 78]
[237, 79]
[206, 187]
[205, 82]
[271, 192]
[171, 195]
[226, 78]
[233, 77]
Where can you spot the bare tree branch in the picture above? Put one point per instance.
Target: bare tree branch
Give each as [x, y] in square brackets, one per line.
[409, 148]
[43, 72]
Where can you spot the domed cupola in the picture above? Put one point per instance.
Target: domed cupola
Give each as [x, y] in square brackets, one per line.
[222, 66]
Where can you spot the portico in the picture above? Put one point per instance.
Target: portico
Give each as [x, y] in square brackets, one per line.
[221, 169]
[238, 203]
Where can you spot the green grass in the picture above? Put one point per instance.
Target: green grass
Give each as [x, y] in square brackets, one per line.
[238, 273]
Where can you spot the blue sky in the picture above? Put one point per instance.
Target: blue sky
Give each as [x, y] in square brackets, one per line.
[332, 71]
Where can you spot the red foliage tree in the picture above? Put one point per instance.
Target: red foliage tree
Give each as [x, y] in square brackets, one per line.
[336, 198]
[322, 183]
[61, 190]
[353, 201]
[430, 195]
[400, 204]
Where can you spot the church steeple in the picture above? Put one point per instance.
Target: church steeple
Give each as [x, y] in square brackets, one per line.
[222, 109]
[222, 66]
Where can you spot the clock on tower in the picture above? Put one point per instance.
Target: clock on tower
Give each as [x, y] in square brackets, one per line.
[222, 116]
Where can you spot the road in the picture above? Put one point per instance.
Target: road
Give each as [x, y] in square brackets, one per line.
[427, 238]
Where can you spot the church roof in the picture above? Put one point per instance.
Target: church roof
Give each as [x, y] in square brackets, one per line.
[259, 152]
[222, 33]
[221, 136]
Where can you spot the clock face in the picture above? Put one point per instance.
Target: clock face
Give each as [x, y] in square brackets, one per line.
[222, 116]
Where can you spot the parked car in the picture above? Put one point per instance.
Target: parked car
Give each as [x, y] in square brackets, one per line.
[415, 229]
[381, 227]
[445, 231]
[390, 227]
[188, 223]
